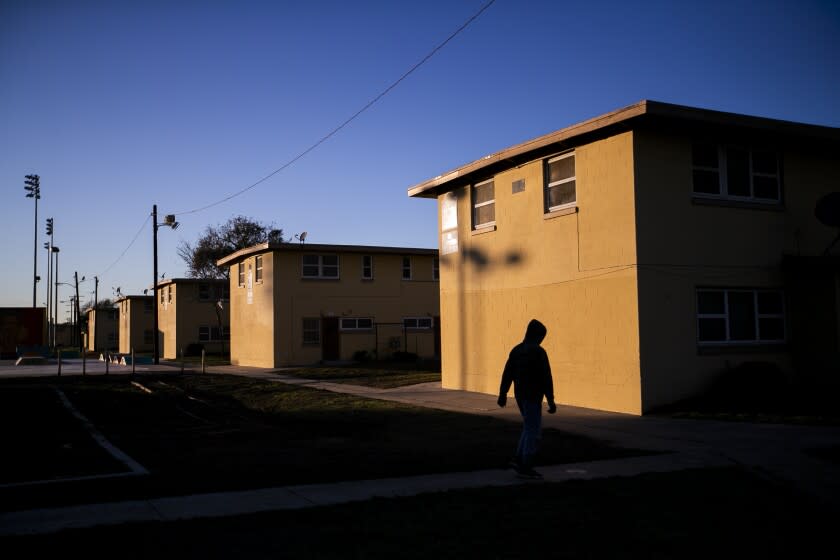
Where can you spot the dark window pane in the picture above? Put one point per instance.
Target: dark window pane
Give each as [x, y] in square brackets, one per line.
[771, 329]
[330, 259]
[741, 316]
[764, 162]
[711, 330]
[310, 259]
[484, 193]
[561, 169]
[562, 194]
[766, 187]
[770, 303]
[737, 172]
[331, 271]
[485, 214]
[310, 271]
[704, 155]
[710, 303]
[365, 324]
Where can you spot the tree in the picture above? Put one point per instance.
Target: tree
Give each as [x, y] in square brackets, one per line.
[219, 241]
[106, 303]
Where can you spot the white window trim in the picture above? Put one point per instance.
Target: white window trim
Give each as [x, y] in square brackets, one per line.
[410, 268]
[757, 317]
[258, 269]
[723, 176]
[240, 275]
[483, 225]
[321, 266]
[417, 326]
[357, 327]
[371, 267]
[548, 185]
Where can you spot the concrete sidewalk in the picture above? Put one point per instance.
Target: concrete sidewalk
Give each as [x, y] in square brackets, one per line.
[774, 451]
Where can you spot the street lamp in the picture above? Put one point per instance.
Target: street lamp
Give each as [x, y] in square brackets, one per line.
[33, 188]
[55, 250]
[168, 221]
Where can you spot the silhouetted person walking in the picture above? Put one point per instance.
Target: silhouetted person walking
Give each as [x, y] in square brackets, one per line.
[528, 369]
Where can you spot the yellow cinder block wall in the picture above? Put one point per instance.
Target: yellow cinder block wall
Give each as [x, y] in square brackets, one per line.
[574, 272]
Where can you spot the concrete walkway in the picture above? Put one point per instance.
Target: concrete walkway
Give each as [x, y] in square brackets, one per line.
[773, 451]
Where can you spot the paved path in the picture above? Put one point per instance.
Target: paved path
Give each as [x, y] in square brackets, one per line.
[773, 451]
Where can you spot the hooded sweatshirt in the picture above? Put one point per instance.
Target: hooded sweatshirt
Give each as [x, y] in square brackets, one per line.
[527, 367]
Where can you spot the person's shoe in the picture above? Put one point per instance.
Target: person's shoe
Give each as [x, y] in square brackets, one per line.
[528, 473]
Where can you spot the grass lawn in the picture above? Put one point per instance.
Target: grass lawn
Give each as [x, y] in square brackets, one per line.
[202, 433]
[713, 513]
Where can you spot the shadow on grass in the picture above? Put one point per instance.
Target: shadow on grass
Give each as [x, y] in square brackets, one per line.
[207, 433]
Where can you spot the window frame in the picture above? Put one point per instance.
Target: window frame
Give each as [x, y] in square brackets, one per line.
[321, 266]
[240, 274]
[548, 185]
[356, 324]
[723, 156]
[316, 321]
[726, 316]
[367, 268]
[475, 206]
[417, 323]
[258, 269]
[407, 268]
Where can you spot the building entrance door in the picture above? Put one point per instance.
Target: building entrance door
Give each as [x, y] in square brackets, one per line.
[329, 341]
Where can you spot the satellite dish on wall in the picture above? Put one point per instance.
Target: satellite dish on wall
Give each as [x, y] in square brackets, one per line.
[827, 209]
[301, 237]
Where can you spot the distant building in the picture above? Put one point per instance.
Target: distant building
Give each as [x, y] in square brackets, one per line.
[193, 313]
[102, 329]
[21, 327]
[294, 304]
[660, 245]
[136, 324]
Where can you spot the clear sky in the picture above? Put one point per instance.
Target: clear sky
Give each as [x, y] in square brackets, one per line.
[119, 105]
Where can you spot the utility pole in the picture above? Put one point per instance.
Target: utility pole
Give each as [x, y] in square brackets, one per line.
[33, 185]
[154, 285]
[95, 292]
[55, 299]
[78, 318]
[49, 247]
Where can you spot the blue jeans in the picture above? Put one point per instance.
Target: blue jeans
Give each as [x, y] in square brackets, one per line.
[531, 412]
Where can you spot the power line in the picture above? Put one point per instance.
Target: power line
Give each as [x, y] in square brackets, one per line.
[136, 235]
[334, 131]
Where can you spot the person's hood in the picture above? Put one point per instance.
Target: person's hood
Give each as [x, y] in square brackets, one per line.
[535, 333]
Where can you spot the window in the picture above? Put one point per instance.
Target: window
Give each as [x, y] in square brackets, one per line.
[560, 183]
[311, 331]
[417, 322]
[320, 266]
[436, 268]
[356, 324]
[367, 267]
[406, 268]
[484, 204]
[740, 316]
[162, 295]
[258, 266]
[241, 279]
[735, 173]
[169, 294]
[212, 334]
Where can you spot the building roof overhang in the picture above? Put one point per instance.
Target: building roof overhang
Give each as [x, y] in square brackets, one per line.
[319, 248]
[623, 119]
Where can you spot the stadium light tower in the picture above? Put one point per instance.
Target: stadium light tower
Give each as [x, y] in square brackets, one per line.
[33, 188]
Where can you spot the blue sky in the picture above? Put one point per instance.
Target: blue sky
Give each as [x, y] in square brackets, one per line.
[120, 105]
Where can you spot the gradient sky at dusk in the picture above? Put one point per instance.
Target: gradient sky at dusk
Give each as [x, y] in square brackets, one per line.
[120, 105]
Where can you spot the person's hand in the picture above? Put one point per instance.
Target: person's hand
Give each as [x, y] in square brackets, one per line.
[502, 401]
[552, 408]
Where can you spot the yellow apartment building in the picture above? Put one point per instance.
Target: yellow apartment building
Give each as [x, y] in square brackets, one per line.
[660, 244]
[191, 312]
[136, 323]
[295, 304]
[102, 329]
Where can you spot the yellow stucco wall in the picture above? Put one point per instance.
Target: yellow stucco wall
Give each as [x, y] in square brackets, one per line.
[180, 317]
[573, 272]
[135, 318]
[268, 332]
[102, 329]
[683, 245]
